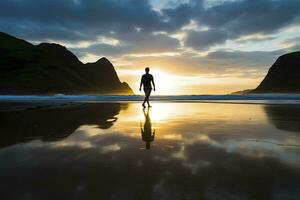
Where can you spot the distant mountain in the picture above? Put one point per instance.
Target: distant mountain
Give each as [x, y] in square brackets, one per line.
[242, 92]
[51, 68]
[283, 76]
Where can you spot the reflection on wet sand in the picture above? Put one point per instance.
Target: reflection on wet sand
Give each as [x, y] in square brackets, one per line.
[146, 131]
[202, 151]
[284, 117]
[54, 123]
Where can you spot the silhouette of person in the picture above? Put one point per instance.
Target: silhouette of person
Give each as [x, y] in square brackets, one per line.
[147, 81]
[147, 133]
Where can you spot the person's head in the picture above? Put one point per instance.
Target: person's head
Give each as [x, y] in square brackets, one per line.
[147, 70]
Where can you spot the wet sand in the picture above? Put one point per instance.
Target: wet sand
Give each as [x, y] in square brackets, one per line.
[172, 151]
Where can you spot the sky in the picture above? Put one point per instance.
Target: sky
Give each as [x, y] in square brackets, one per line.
[191, 46]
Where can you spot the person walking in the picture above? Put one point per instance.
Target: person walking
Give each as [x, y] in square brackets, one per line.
[147, 81]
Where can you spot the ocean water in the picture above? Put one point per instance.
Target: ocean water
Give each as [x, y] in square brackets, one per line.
[251, 98]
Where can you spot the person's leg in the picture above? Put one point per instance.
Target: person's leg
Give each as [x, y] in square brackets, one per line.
[145, 99]
[148, 96]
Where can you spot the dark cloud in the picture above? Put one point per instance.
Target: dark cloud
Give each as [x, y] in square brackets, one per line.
[234, 19]
[205, 39]
[43, 32]
[75, 20]
[88, 17]
[248, 16]
[140, 43]
[251, 55]
[180, 15]
[245, 59]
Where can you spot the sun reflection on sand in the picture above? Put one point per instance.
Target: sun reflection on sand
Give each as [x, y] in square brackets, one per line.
[234, 128]
[187, 145]
[174, 119]
[159, 112]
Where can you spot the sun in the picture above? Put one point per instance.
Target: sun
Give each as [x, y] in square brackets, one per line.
[165, 83]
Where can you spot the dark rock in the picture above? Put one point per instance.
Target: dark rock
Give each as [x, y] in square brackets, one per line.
[51, 68]
[283, 76]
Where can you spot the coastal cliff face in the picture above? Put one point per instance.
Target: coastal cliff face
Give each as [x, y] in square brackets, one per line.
[283, 76]
[51, 68]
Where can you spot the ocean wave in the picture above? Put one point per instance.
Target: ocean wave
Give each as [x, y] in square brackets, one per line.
[250, 98]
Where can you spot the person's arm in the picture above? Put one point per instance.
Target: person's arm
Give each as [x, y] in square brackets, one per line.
[153, 83]
[141, 84]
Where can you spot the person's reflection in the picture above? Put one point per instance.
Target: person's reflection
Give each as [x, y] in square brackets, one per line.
[147, 134]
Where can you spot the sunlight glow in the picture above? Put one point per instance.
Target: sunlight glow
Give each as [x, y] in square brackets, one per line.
[166, 84]
[160, 112]
[172, 84]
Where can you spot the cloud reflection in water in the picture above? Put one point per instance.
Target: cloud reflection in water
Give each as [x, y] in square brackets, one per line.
[200, 151]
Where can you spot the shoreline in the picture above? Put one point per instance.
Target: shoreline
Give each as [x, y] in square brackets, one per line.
[23, 105]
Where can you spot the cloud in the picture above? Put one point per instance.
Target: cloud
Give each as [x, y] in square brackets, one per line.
[252, 56]
[173, 38]
[138, 43]
[248, 16]
[180, 15]
[74, 20]
[202, 40]
[88, 17]
[244, 64]
[235, 18]
[293, 44]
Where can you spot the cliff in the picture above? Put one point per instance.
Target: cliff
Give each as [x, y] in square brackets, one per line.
[51, 68]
